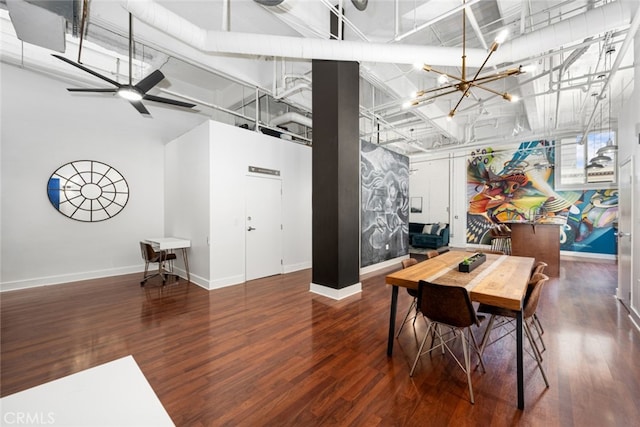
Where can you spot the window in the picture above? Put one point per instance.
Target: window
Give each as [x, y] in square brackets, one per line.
[586, 166]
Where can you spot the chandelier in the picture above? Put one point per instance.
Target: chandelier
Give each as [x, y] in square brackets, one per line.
[461, 83]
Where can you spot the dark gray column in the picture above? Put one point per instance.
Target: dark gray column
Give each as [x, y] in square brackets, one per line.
[336, 172]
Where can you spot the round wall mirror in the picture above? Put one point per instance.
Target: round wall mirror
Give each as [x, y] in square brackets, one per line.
[87, 190]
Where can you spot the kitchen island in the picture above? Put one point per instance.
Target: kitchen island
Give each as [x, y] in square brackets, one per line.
[537, 239]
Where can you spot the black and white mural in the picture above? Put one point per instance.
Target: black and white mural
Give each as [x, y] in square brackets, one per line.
[384, 204]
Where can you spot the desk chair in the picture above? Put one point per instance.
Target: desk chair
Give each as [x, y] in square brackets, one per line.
[507, 317]
[449, 307]
[149, 256]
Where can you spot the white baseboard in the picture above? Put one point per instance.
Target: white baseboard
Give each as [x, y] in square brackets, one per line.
[223, 282]
[290, 268]
[395, 262]
[336, 294]
[68, 278]
[587, 256]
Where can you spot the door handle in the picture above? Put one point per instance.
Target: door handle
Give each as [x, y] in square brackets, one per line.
[250, 228]
[623, 234]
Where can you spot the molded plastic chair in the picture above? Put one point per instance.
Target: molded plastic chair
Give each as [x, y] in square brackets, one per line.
[151, 256]
[506, 317]
[449, 307]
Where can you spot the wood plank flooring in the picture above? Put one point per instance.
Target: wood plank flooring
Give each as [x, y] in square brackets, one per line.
[270, 353]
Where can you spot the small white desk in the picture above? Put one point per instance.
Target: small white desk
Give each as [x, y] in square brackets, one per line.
[171, 243]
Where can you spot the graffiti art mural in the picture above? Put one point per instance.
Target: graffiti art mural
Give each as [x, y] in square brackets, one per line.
[517, 185]
[384, 204]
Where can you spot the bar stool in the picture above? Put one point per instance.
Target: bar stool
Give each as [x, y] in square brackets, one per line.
[501, 238]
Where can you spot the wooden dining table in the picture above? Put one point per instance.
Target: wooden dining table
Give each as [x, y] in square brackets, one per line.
[500, 281]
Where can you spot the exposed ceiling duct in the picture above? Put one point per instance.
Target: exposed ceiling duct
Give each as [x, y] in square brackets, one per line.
[358, 4]
[43, 23]
[292, 118]
[238, 43]
[598, 20]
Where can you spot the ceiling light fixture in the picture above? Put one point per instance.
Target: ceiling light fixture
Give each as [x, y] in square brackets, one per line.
[607, 149]
[129, 93]
[601, 159]
[594, 165]
[602, 153]
[462, 84]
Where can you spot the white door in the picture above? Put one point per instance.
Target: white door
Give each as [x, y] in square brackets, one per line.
[625, 264]
[263, 227]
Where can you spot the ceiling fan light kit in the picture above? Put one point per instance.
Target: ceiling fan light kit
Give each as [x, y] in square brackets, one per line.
[129, 94]
[463, 85]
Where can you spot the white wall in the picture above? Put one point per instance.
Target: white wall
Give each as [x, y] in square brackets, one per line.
[44, 127]
[222, 154]
[233, 150]
[187, 209]
[629, 148]
[430, 180]
[459, 203]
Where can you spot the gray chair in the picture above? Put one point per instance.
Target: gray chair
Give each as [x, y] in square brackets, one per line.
[151, 256]
[449, 307]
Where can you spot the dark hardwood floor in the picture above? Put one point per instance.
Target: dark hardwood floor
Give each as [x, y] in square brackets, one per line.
[270, 353]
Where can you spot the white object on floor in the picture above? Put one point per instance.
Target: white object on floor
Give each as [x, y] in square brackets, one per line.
[114, 394]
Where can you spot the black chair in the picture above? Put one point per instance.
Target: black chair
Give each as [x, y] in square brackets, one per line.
[506, 317]
[449, 307]
[151, 256]
[414, 295]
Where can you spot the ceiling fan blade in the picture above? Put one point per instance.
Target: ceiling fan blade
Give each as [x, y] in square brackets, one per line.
[168, 101]
[150, 81]
[73, 89]
[140, 107]
[87, 70]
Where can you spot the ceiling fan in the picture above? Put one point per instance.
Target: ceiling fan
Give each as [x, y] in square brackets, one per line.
[132, 93]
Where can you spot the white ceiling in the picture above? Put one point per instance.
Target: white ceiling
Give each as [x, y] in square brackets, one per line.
[562, 39]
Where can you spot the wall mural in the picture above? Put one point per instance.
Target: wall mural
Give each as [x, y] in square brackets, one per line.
[518, 186]
[384, 204]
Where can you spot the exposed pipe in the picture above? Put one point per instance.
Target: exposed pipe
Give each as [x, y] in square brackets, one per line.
[339, 12]
[157, 16]
[292, 89]
[635, 23]
[297, 76]
[225, 15]
[396, 18]
[434, 20]
[598, 20]
[292, 118]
